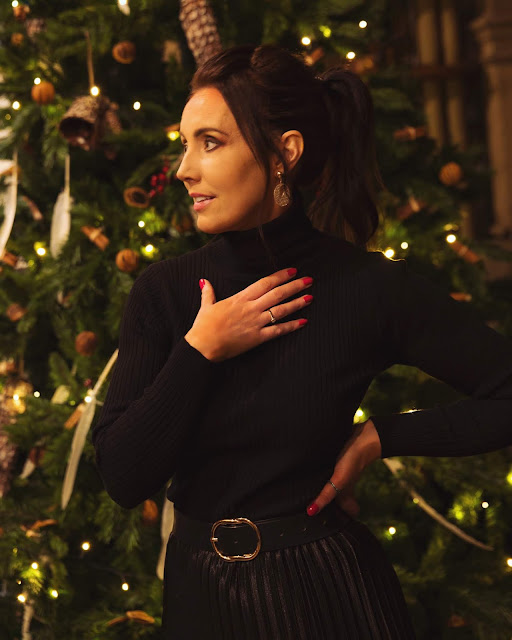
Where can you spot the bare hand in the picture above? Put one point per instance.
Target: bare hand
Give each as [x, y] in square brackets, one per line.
[362, 448]
[232, 326]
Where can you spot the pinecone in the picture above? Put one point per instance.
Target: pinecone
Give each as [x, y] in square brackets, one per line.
[200, 28]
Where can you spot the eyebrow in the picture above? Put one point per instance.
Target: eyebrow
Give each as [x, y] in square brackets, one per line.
[199, 132]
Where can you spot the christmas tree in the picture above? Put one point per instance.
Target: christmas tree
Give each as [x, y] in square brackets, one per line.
[92, 98]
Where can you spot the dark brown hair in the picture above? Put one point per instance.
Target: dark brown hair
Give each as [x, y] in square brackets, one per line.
[270, 90]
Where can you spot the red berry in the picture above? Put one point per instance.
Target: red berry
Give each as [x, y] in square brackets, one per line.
[160, 188]
[152, 193]
[153, 181]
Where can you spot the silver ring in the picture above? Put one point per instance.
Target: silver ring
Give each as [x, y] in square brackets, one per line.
[273, 320]
[337, 490]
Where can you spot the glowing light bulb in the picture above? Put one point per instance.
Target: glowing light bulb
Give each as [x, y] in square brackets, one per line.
[363, 24]
[509, 562]
[15, 3]
[95, 91]
[149, 248]
[359, 413]
[306, 41]
[351, 55]
[451, 238]
[34, 565]
[326, 31]
[41, 251]
[16, 105]
[86, 546]
[125, 586]
[37, 394]
[54, 593]
[37, 80]
[404, 245]
[173, 135]
[22, 598]
[15, 397]
[141, 223]
[392, 530]
[389, 253]
[123, 3]
[509, 478]
[485, 505]
[87, 399]
[136, 105]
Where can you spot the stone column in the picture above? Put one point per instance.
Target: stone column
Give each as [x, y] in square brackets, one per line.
[494, 32]
[428, 54]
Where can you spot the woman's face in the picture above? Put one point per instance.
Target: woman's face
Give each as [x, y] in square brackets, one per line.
[217, 162]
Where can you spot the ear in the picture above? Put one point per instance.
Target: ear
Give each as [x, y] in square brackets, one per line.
[292, 147]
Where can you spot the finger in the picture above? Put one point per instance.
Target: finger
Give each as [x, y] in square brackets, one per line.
[266, 284]
[207, 292]
[325, 496]
[348, 503]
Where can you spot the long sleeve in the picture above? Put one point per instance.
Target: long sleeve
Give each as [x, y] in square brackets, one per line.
[448, 340]
[151, 402]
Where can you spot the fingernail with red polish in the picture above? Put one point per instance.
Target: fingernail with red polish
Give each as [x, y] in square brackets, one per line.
[201, 283]
[292, 271]
[312, 509]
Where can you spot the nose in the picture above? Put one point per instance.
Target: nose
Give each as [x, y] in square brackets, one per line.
[186, 171]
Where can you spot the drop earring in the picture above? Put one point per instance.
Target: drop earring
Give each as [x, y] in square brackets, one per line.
[282, 195]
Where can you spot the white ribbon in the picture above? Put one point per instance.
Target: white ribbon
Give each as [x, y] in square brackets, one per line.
[61, 219]
[10, 200]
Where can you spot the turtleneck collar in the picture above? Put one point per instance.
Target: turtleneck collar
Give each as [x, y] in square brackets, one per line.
[241, 254]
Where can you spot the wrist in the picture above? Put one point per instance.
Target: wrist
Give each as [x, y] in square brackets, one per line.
[195, 341]
[371, 441]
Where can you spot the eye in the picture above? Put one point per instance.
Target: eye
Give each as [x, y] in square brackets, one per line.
[209, 139]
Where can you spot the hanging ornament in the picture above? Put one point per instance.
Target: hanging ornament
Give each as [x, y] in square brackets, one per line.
[124, 52]
[127, 260]
[86, 343]
[138, 616]
[149, 512]
[7, 366]
[34, 459]
[17, 39]
[136, 197]
[413, 206]
[15, 312]
[200, 28]
[34, 209]
[410, 133]
[61, 218]
[21, 12]
[88, 119]
[124, 6]
[43, 93]
[450, 174]
[96, 235]
[14, 393]
[33, 26]
[464, 252]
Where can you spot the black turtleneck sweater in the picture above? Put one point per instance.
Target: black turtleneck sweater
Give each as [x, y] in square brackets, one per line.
[258, 434]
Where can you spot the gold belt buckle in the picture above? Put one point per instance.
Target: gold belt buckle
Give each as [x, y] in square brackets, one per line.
[245, 556]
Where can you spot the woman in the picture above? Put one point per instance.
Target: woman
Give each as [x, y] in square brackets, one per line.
[248, 408]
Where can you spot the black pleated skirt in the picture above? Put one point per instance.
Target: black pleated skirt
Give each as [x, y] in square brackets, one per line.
[338, 587]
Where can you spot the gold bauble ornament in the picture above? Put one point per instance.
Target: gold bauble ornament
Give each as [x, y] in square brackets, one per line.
[86, 342]
[15, 312]
[450, 174]
[43, 93]
[21, 12]
[124, 52]
[17, 39]
[150, 512]
[127, 260]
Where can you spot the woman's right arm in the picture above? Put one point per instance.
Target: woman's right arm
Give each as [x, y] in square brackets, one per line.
[152, 402]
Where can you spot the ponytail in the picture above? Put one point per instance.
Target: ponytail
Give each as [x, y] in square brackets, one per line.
[345, 200]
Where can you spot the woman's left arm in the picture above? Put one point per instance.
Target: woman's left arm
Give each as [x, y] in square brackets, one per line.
[447, 339]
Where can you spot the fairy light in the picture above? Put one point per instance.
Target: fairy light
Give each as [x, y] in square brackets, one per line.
[350, 55]
[363, 24]
[509, 478]
[136, 105]
[41, 251]
[125, 586]
[451, 238]
[149, 248]
[404, 245]
[15, 3]
[37, 394]
[54, 593]
[37, 80]
[34, 565]
[359, 413]
[485, 505]
[326, 31]
[86, 546]
[509, 562]
[389, 253]
[22, 598]
[123, 3]
[173, 135]
[95, 91]
[16, 397]
[141, 223]
[306, 41]
[392, 530]
[16, 105]
[87, 399]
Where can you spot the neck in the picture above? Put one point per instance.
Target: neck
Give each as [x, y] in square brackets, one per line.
[243, 254]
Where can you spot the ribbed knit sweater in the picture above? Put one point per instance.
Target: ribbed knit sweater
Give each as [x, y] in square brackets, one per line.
[257, 435]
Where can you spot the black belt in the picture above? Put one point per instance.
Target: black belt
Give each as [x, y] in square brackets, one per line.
[242, 539]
